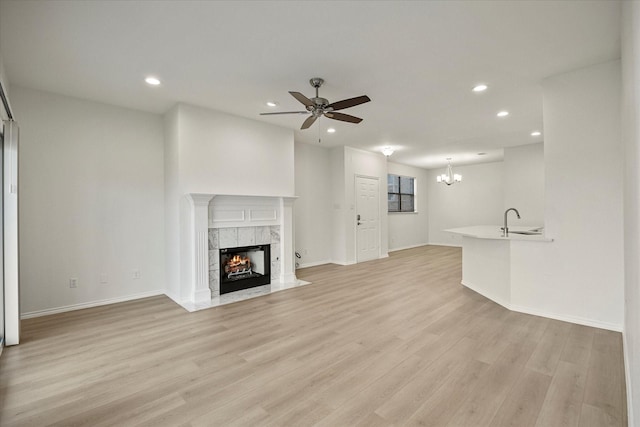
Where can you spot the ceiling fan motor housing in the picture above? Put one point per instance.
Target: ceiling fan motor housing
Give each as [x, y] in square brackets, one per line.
[318, 106]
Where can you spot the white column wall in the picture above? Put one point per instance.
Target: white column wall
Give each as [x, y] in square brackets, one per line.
[211, 152]
[579, 276]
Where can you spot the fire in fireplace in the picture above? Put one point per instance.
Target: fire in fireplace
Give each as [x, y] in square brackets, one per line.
[244, 267]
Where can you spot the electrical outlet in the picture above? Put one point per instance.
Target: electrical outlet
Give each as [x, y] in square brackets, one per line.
[73, 282]
[104, 278]
[136, 274]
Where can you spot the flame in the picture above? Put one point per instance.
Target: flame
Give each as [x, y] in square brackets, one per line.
[237, 260]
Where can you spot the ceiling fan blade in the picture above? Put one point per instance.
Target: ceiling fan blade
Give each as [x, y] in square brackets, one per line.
[351, 102]
[284, 112]
[343, 117]
[303, 99]
[307, 123]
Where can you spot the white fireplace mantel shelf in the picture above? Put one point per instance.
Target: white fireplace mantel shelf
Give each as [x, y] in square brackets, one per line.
[256, 196]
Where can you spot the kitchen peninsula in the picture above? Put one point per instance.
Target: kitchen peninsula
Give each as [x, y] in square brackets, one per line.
[487, 261]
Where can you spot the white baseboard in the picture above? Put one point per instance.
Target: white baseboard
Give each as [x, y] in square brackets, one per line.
[313, 264]
[543, 313]
[568, 318]
[453, 245]
[408, 247]
[477, 290]
[81, 306]
[343, 263]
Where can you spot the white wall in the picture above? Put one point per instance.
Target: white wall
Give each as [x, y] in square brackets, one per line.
[631, 144]
[407, 230]
[524, 182]
[579, 276]
[91, 201]
[313, 208]
[477, 200]
[221, 153]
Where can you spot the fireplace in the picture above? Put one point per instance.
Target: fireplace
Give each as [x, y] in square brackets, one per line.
[244, 267]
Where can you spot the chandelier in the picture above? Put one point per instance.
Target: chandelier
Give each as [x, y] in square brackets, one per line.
[449, 177]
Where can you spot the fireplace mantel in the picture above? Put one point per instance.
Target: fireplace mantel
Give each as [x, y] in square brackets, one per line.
[226, 211]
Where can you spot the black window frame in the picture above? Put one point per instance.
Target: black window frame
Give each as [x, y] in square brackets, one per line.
[399, 194]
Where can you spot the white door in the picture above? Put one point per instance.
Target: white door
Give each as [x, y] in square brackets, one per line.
[367, 218]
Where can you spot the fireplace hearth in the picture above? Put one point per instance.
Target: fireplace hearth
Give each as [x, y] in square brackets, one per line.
[244, 267]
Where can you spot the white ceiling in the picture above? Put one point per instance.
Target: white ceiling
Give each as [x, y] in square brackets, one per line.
[417, 61]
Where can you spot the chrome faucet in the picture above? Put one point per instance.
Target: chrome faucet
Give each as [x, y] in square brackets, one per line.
[505, 230]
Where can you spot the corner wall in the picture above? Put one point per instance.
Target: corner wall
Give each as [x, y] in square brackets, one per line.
[313, 213]
[91, 202]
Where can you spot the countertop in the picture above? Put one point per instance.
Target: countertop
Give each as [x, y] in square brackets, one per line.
[495, 232]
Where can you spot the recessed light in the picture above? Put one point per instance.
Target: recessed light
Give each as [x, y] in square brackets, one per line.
[272, 104]
[536, 133]
[153, 81]
[480, 88]
[331, 130]
[503, 114]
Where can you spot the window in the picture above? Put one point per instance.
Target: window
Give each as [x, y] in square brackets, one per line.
[401, 193]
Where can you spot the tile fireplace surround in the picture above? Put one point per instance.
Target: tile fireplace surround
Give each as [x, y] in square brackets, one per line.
[224, 221]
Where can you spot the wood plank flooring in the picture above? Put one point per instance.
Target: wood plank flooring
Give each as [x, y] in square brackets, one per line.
[389, 342]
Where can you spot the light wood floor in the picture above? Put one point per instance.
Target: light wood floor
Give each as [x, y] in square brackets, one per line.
[391, 342]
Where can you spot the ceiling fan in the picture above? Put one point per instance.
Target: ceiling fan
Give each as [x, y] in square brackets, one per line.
[321, 107]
